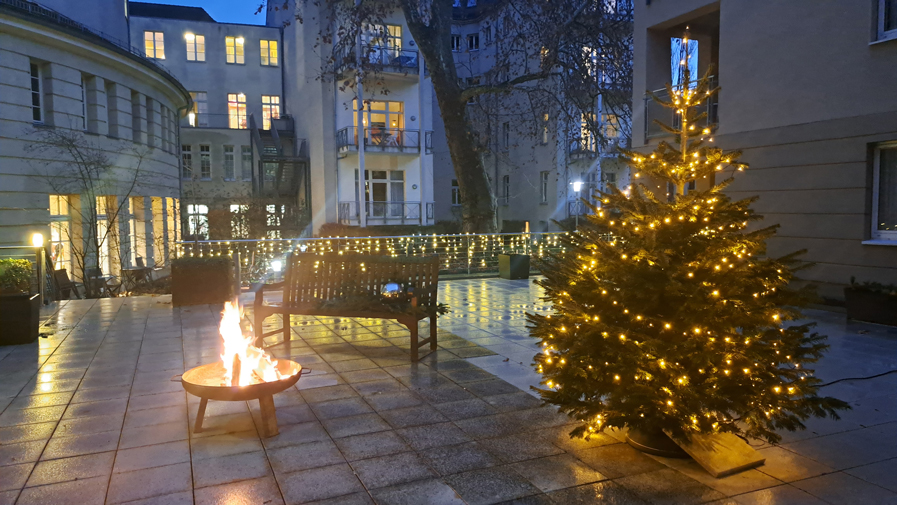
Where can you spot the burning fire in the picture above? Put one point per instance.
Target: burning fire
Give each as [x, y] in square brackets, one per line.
[244, 363]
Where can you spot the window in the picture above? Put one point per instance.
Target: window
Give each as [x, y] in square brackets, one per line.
[234, 50]
[150, 123]
[36, 94]
[683, 56]
[236, 110]
[884, 194]
[887, 19]
[456, 43]
[186, 162]
[270, 110]
[196, 47]
[239, 221]
[205, 162]
[383, 122]
[691, 186]
[586, 141]
[545, 128]
[456, 193]
[199, 114]
[83, 119]
[269, 52]
[506, 136]
[229, 163]
[246, 162]
[487, 34]
[543, 187]
[473, 42]
[610, 126]
[506, 189]
[60, 228]
[154, 45]
[384, 36]
[384, 192]
[136, 229]
[112, 107]
[198, 220]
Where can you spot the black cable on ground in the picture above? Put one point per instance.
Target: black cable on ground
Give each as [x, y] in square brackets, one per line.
[857, 378]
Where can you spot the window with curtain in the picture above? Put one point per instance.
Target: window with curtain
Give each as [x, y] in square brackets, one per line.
[236, 111]
[268, 49]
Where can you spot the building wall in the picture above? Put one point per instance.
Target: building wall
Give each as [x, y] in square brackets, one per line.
[117, 86]
[107, 16]
[806, 93]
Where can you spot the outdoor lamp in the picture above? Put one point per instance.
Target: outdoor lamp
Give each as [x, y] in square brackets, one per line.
[577, 186]
[191, 117]
[277, 265]
[189, 36]
[37, 240]
[240, 40]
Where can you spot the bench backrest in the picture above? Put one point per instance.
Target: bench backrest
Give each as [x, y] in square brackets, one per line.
[315, 277]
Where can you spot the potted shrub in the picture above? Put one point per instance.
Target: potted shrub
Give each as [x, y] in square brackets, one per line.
[19, 310]
[871, 302]
[200, 281]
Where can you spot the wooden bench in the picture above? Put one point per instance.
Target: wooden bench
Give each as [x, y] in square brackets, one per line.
[313, 280]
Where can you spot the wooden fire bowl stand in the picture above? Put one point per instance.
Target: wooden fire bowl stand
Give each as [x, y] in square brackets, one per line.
[206, 381]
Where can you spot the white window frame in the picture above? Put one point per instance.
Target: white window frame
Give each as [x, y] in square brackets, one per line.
[198, 220]
[473, 41]
[456, 43]
[884, 235]
[237, 117]
[270, 110]
[36, 74]
[238, 45]
[196, 47]
[205, 162]
[230, 165]
[883, 34]
[456, 193]
[83, 103]
[157, 43]
[186, 162]
[246, 162]
[268, 50]
[200, 108]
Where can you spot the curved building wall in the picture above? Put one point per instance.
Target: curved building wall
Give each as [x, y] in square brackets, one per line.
[114, 107]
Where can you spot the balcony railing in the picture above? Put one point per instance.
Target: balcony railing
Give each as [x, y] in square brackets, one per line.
[386, 212]
[386, 59]
[583, 147]
[216, 121]
[380, 139]
[655, 111]
[458, 254]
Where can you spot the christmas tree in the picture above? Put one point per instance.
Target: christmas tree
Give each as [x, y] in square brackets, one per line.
[667, 313]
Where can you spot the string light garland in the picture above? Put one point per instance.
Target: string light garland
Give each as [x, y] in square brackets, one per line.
[679, 322]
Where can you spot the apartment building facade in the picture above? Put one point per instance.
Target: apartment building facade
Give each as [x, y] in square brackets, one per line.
[541, 158]
[70, 85]
[807, 94]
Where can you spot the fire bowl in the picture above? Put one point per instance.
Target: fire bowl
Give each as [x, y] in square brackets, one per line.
[207, 382]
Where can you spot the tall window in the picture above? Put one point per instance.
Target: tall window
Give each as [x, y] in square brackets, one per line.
[83, 119]
[269, 52]
[473, 42]
[270, 110]
[154, 45]
[200, 109]
[383, 122]
[385, 36]
[234, 50]
[246, 162]
[506, 136]
[543, 187]
[683, 55]
[506, 189]
[545, 128]
[229, 163]
[60, 229]
[274, 217]
[887, 19]
[586, 139]
[36, 94]
[456, 193]
[456, 43]
[196, 47]
[198, 220]
[187, 161]
[884, 193]
[205, 162]
[384, 192]
[239, 221]
[104, 232]
[236, 110]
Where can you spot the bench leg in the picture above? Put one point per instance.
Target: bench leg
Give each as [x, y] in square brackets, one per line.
[200, 414]
[414, 346]
[286, 332]
[432, 333]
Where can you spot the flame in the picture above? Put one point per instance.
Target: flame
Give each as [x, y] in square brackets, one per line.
[255, 364]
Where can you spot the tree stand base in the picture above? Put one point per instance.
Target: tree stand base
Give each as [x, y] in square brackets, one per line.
[656, 443]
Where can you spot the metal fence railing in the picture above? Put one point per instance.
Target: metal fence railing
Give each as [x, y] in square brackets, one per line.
[458, 254]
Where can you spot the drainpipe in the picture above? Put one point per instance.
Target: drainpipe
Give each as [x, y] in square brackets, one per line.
[359, 129]
[180, 160]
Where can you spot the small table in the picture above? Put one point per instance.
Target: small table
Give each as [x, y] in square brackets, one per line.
[134, 276]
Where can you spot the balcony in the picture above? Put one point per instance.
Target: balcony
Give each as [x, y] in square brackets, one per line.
[382, 213]
[283, 124]
[385, 140]
[583, 148]
[656, 112]
[382, 59]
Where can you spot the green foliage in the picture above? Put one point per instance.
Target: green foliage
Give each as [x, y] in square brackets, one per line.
[873, 287]
[668, 314]
[15, 276]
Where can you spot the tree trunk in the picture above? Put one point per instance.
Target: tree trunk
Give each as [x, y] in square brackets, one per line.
[433, 37]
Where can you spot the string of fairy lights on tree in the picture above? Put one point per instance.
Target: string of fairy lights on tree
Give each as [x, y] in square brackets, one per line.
[681, 322]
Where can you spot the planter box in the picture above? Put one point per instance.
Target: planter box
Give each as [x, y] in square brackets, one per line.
[19, 319]
[871, 307]
[196, 281]
[513, 266]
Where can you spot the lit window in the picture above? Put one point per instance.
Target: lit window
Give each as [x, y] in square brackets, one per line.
[36, 94]
[610, 126]
[246, 162]
[60, 229]
[239, 221]
[884, 193]
[198, 220]
[234, 50]
[236, 110]
[270, 110]
[186, 162]
[229, 163]
[196, 47]
[205, 162]
[200, 108]
[269, 52]
[154, 45]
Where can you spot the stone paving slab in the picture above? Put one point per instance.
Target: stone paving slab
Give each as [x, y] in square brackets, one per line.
[93, 413]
